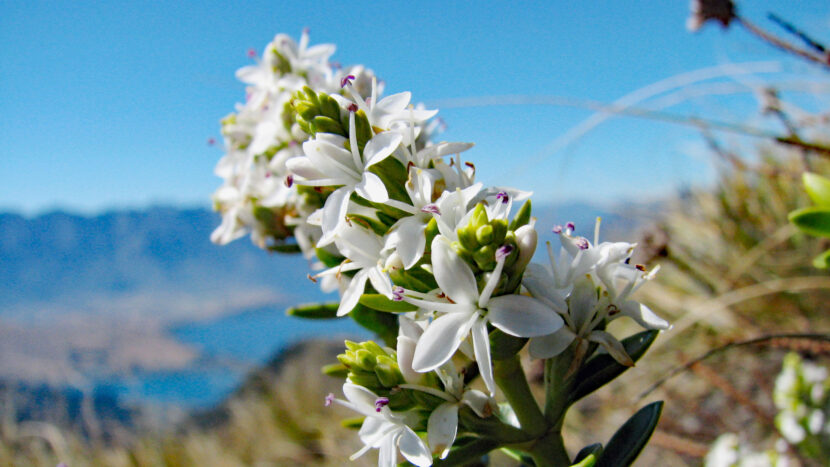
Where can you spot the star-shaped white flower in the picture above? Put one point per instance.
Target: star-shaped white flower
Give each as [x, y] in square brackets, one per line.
[383, 429]
[464, 311]
[328, 163]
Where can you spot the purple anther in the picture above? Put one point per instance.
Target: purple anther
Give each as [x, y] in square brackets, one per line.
[397, 293]
[211, 141]
[336, 65]
[503, 197]
[503, 252]
[289, 180]
[380, 403]
[431, 208]
[582, 243]
[251, 53]
[268, 174]
[346, 80]
[352, 107]
[570, 226]
[329, 400]
[557, 229]
[306, 30]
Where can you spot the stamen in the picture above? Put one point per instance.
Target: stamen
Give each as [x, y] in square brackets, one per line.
[503, 197]
[329, 400]
[397, 293]
[289, 180]
[352, 107]
[268, 174]
[570, 226]
[431, 208]
[557, 229]
[582, 243]
[380, 403]
[503, 252]
[311, 278]
[251, 53]
[211, 141]
[640, 267]
[346, 80]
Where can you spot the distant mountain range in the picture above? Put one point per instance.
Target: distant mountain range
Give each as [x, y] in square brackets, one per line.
[83, 298]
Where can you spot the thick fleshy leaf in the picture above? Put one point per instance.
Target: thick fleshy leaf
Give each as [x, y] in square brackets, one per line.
[631, 438]
[384, 325]
[822, 261]
[523, 316]
[382, 303]
[452, 273]
[591, 451]
[441, 339]
[372, 188]
[413, 449]
[552, 344]
[442, 428]
[352, 293]
[817, 187]
[602, 368]
[814, 220]
[481, 348]
[314, 310]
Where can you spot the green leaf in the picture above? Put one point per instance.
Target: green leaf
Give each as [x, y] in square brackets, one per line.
[352, 423]
[589, 461]
[522, 217]
[287, 248]
[822, 261]
[384, 325]
[314, 310]
[602, 368]
[817, 187]
[381, 303]
[631, 438]
[814, 220]
[592, 450]
[336, 370]
[330, 260]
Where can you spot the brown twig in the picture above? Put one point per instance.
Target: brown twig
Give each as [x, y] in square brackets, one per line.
[781, 44]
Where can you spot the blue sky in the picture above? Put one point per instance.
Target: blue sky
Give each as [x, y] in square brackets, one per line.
[110, 104]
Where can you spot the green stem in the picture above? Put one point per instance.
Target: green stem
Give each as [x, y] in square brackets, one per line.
[511, 379]
[550, 451]
[557, 386]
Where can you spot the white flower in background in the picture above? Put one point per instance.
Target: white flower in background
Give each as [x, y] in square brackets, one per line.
[328, 163]
[728, 451]
[464, 311]
[384, 430]
[587, 286]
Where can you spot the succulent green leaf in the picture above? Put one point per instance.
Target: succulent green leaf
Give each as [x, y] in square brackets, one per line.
[822, 261]
[589, 461]
[592, 450]
[381, 303]
[314, 310]
[522, 217]
[384, 325]
[330, 260]
[287, 248]
[818, 188]
[602, 368]
[813, 220]
[631, 438]
[336, 370]
[352, 423]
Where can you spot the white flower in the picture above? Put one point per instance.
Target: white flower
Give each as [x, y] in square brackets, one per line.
[328, 163]
[465, 312]
[384, 112]
[382, 429]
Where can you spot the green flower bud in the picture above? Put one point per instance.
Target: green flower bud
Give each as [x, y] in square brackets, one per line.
[365, 360]
[467, 238]
[479, 216]
[484, 234]
[485, 257]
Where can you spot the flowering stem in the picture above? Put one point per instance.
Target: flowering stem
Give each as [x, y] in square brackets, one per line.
[511, 378]
[550, 451]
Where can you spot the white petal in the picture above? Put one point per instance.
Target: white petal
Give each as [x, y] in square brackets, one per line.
[612, 345]
[334, 214]
[409, 240]
[372, 188]
[380, 281]
[303, 167]
[395, 102]
[482, 404]
[539, 282]
[352, 293]
[388, 455]
[406, 352]
[583, 303]
[442, 428]
[453, 275]
[373, 430]
[523, 316]
[481, 347]
[552, 344]
[441, 339]
[643, 316]
[413, 448]
[380, 147]
[362, 399]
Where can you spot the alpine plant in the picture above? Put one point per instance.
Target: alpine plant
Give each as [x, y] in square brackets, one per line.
[318, 161]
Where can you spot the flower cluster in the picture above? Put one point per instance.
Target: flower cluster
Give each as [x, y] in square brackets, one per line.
[401, 228]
